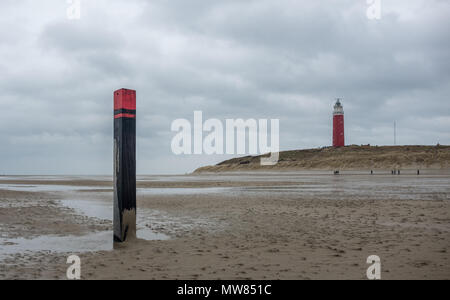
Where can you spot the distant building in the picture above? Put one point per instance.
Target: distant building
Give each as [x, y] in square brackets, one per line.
[338, 125]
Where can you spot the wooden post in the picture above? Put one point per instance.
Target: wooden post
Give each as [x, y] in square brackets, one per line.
[124, 165]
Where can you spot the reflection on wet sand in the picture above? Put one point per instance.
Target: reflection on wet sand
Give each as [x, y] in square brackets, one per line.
[273, 226]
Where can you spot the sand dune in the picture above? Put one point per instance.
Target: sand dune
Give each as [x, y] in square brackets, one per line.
[346, 158]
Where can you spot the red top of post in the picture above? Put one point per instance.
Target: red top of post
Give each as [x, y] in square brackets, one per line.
[124, 103]
[125, 99]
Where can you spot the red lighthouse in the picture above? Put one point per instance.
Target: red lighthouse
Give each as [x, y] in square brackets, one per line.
[338, 125]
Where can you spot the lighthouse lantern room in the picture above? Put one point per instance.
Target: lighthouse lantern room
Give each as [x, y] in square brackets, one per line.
[338, 125]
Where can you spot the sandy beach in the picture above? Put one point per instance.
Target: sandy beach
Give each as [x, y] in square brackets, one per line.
[233, 226]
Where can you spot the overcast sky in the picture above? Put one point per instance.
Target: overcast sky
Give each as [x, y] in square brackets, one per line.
[231, 59]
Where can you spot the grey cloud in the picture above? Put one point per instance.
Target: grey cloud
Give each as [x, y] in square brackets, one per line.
[282, 59]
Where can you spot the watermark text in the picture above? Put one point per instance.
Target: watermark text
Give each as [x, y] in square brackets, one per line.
[238, 136]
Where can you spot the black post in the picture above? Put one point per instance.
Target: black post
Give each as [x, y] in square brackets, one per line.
[124, 165]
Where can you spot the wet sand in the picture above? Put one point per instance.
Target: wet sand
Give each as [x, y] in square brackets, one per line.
[252, 226]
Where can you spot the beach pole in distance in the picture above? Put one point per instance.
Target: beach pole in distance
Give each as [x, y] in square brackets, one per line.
[124, 165]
